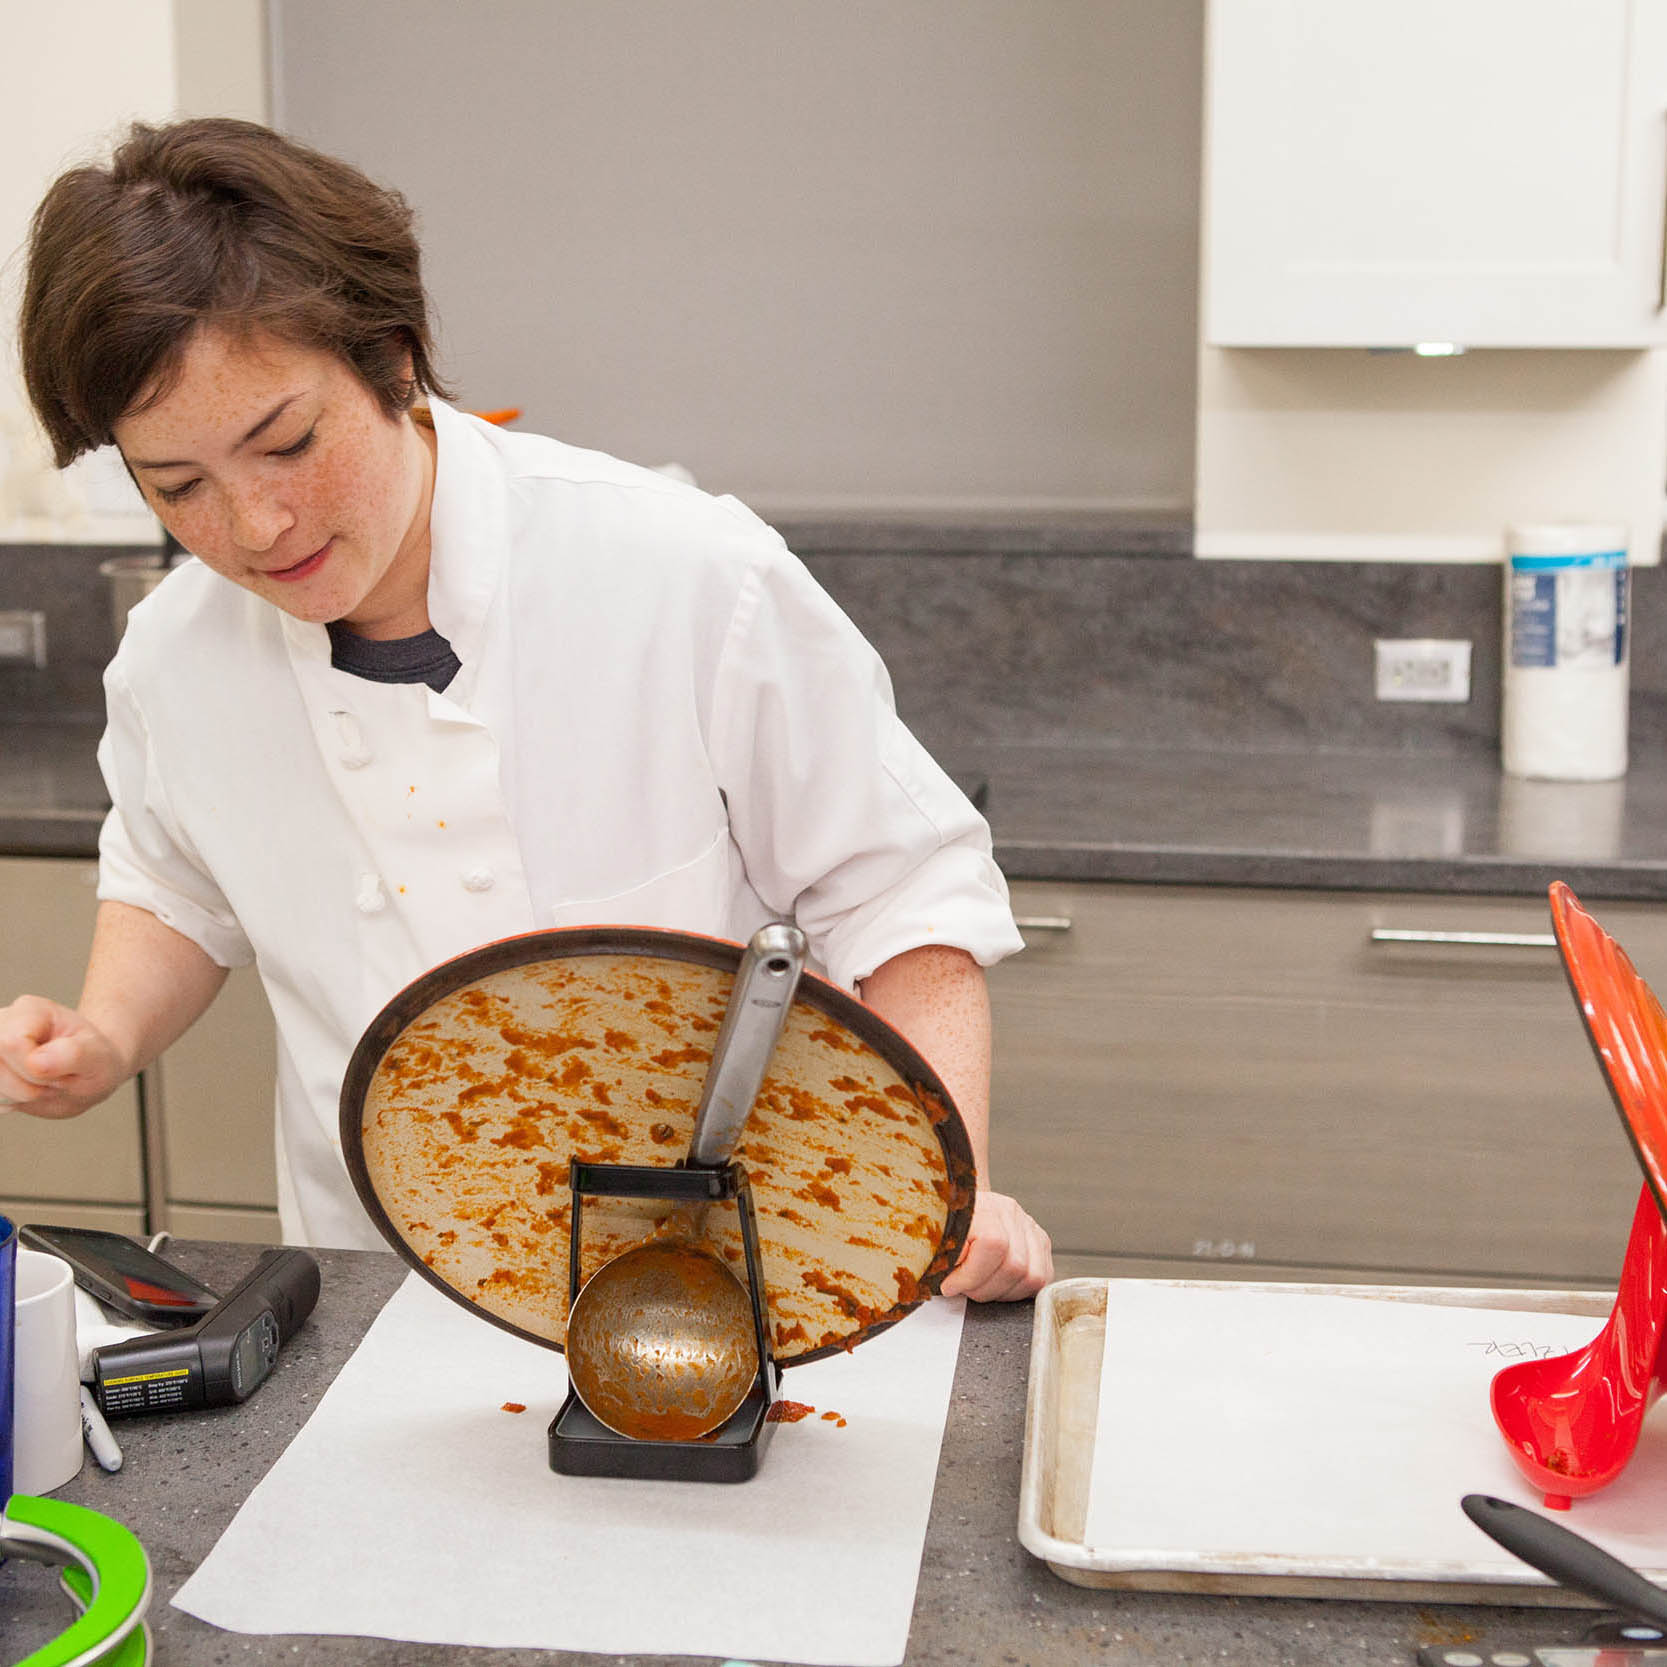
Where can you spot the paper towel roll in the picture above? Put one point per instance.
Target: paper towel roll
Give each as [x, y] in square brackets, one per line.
[1564, 714]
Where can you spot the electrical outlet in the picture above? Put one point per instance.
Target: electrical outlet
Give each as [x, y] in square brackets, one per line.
[1422, 668]
[22, 637]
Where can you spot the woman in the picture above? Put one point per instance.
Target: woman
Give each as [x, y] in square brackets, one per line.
[429, 683]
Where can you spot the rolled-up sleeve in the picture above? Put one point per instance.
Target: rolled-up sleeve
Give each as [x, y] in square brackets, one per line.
[144, 859]
[842, 818]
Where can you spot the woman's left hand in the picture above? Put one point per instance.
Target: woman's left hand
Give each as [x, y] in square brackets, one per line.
[1007, 1256]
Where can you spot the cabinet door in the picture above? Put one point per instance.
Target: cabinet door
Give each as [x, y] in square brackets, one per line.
[1188, 1074]
[1388, 172]
[93, 1160]
[216, 1088]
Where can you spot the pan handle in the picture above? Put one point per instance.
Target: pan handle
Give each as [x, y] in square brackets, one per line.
[758, 1006]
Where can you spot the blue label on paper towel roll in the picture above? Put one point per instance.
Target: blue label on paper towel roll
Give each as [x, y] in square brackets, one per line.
[1569, 610]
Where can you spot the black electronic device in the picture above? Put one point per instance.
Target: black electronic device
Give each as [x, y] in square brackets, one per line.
[1609, 1641]
[1542, 1655]
[124, 1275]
[218, 1360]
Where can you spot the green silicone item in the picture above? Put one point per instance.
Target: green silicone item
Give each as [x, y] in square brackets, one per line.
[107, 1570]
[134, 1650]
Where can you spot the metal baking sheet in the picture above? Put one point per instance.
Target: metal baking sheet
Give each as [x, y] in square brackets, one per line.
[1067, 1347]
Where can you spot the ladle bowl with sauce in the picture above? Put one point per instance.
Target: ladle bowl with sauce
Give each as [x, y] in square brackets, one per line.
[660, 1346]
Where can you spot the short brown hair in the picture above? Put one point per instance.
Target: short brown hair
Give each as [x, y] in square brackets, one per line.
[213, 221]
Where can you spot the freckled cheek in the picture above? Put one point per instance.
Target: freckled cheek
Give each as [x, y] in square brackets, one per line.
[353, 488]
[199, 526]
[327, 496]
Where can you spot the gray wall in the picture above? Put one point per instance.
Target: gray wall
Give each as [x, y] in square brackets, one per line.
[827, 253]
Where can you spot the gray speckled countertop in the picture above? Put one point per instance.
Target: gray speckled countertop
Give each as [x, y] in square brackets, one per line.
[1344, 820]
[1348, 820]
[981, 1596]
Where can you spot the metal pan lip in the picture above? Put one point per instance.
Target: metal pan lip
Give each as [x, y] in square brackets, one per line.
[564, 942]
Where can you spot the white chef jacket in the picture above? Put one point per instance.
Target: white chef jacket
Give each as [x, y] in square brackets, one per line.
[660, 720]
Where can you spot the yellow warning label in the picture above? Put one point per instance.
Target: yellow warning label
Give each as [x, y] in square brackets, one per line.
[149, 1377]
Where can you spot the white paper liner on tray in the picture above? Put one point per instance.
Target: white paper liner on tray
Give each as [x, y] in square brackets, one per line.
[1069, 1344]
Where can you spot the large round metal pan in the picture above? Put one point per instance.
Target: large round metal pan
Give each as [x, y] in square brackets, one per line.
[476, 1086]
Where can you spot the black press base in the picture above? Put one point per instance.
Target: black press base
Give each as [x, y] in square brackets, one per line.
[580, 1445]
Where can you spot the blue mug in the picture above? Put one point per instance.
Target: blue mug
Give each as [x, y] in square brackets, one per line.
[8, 1299]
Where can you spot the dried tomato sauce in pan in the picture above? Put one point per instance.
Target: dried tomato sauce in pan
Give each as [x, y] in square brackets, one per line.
[479, 1106]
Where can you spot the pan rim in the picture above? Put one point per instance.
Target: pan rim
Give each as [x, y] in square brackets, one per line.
[524, 949]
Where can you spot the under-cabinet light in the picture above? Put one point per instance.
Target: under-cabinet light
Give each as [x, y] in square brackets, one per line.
[1424, 350]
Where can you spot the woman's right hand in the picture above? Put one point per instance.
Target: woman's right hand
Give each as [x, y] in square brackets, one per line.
[53, 1061]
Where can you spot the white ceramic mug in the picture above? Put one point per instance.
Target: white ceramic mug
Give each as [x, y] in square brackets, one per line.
[46, 1408]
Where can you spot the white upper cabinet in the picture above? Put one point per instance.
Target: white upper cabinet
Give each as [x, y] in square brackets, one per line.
[1380, 173]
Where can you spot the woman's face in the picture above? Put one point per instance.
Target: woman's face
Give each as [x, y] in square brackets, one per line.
[276, 467]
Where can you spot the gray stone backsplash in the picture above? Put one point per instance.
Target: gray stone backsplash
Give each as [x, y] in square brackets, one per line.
[1056, 649]
[1125, 651]
[64, 581]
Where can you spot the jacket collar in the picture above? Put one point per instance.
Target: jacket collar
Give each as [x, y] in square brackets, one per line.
[467, 524]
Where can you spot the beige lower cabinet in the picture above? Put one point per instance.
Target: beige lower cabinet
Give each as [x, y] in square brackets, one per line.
[1204, 1081]
[215, 1087]
[199, 1160]
[86, 1171]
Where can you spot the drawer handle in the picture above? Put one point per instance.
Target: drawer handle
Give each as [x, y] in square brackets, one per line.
[1042, 923]
[1492, 940]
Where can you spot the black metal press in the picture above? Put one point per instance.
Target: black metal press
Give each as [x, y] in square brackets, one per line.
[580, 1444]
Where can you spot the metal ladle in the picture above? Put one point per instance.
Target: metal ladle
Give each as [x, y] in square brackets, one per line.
[661, 1344]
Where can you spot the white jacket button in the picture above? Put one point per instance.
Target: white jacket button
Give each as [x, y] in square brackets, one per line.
[354, 754]
[478, 879]
[370, 898]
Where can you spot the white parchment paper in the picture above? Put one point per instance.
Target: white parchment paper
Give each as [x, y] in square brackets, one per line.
[1332, 1432]
[412, 1506]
